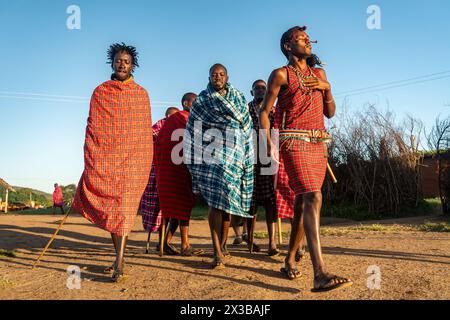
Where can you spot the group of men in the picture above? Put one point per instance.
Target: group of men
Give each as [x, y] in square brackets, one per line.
[208, 149]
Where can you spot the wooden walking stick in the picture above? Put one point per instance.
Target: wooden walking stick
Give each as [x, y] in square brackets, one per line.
[52, 238]
[333, 178]
[147, 249]
[252, 229]
[163, 237]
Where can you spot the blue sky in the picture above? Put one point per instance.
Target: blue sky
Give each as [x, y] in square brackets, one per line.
[42, 136]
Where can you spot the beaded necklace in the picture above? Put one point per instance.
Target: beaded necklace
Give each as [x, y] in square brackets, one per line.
[301, 77]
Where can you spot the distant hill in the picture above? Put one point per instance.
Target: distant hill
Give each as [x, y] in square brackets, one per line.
[23, 195]
[34, 191]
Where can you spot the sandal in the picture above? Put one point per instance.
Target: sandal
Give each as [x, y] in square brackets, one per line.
[217, 263]
[225, 252]
[170, 250]
[274, 252]
[238, 240]
[300, 254]
[190, 251]
[110, 269]
[332, 282]
[291, 273]
[118, 275]
[256, 248]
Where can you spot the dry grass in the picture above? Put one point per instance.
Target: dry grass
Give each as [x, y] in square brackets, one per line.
[5, 283]
[341, 231]
[8, 253]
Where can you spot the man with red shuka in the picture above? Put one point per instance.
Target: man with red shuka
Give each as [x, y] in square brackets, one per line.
[304, 97]
[117, 153]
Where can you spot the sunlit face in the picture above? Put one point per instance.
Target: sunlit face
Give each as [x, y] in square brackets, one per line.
[300, 44]
[259, 90]
[218, 78]
[123, 66]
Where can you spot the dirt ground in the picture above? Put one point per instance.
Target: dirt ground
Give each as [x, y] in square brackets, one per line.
[413, 264]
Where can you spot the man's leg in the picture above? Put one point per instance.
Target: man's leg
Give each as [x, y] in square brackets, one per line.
[301, 251]
[121, 245]
[186, 248]
[116, 250]
[245, 231]
[169, 249]
[322, 280]
[184, 231]
[215, 226]
[271, 220]
[297, 233]
[62, 209]
[173, 225]
[115, 242]
[250, 239]
[235, 221]
[226, 217]
[311, 224]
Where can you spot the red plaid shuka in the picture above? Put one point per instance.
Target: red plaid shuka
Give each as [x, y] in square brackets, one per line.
[117, 156]
[303, 164]
[174, 182]
[150, 210]
[58, 199]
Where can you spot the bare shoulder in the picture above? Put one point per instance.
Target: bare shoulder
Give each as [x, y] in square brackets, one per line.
[279, 76]
[322, 73]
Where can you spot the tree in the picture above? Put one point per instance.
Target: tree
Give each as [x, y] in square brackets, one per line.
[439, 141]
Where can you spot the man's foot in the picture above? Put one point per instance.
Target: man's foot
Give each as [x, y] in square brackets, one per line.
[300, 254]
[110, 269]
[237, 240]
[225, 252]
[190, 251]
[330, 282]
[170, 250]
[256, 248]
[118, 275]
[273, 252]
[218, 263]
[290, 272]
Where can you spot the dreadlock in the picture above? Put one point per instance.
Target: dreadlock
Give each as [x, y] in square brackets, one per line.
[122, 47]
[312, 60]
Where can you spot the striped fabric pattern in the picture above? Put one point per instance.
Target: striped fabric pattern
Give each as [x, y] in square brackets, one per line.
[174, 180]
[150, 210]
[284, 195]
[227, 185]
[117, 156]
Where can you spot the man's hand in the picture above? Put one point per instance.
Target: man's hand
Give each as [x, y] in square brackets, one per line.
[317, 84]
